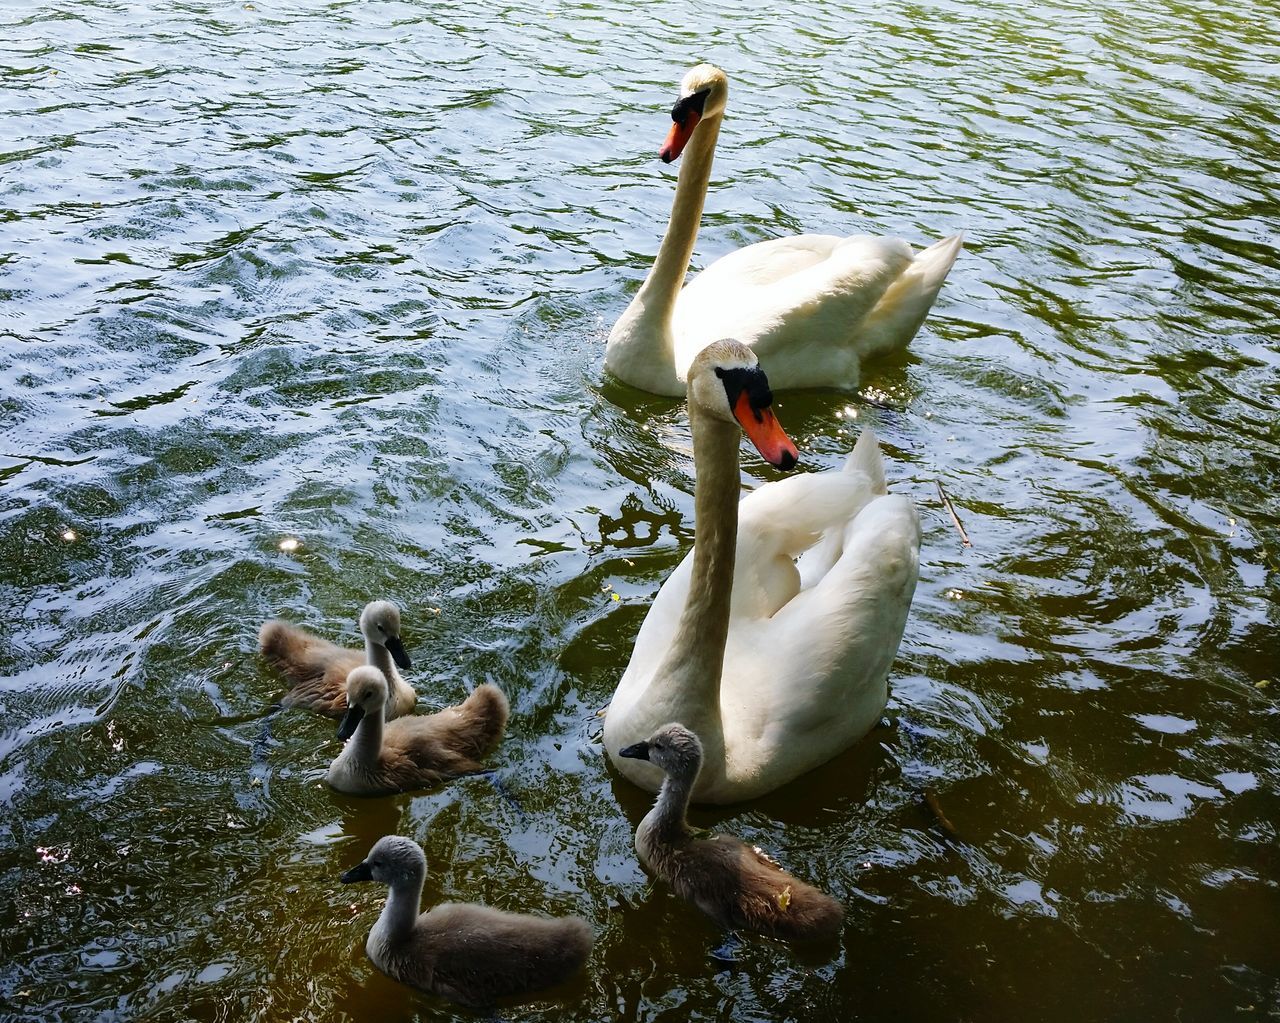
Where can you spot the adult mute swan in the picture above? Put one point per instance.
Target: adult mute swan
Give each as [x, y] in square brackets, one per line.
[814, 307]
[776, 665]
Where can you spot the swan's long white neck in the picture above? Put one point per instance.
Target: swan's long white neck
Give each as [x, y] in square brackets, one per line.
[688, 679]
[641, 346]
[401, 911]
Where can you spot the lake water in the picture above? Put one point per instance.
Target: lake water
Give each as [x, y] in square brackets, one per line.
[342, 272]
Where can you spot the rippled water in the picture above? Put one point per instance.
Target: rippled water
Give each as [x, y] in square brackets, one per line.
[343, 272]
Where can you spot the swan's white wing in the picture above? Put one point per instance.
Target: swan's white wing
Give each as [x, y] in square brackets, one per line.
[813, 307]
[760, 264]
[803, 326]
[865, 458]
[905, 304]
[806, 683]
[781, 521]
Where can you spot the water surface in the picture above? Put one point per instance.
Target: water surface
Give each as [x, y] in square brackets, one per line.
[342, 272]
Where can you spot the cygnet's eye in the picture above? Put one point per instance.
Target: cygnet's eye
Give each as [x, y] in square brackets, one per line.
[657, 745]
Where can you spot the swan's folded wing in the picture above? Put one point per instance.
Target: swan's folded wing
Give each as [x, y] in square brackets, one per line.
[813, 675]
[781, 521]
[826, 304]
[805, 327]
[760, 264]
[803, 323]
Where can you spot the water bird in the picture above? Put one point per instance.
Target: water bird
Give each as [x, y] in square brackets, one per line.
[814, 307]
[773, 637]
[317, 670]
[735, 884]
[467, 953]
[416, 751]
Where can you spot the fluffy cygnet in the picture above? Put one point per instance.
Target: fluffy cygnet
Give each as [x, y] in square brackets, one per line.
[317, 670]
[470, 954]
[416, 751]
[732, 882]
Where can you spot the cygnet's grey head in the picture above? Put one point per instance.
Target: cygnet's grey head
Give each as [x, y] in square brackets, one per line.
[673, 748]
[392, 860]
[366, 694]
[725, 382]
[380, 623]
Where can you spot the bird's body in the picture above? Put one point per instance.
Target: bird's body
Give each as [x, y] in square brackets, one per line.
[416, 751]
[735, 884]
[772, 640]
[469, 954]
[317, 669]
[813, 307]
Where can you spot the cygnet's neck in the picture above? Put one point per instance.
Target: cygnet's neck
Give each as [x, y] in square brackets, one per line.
[380, 657]
[666, 821]
[404, 899]
[365, 747]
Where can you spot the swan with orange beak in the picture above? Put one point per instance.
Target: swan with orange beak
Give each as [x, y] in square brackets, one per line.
[813, 307]
[775, 665]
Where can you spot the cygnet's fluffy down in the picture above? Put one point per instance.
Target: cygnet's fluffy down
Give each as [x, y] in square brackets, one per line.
[317, 670]
[469, 954]
[416, 751]
[733, 883]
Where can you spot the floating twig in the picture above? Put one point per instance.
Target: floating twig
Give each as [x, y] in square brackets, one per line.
[964, 537]
[935, 807]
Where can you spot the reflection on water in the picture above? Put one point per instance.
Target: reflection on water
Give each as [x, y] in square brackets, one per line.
[342, 273]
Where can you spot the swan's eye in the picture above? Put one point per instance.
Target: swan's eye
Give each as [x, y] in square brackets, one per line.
[687, 105]
[750, 379]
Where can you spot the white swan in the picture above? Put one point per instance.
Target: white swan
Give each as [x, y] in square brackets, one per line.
[778, 665]
[812, 306]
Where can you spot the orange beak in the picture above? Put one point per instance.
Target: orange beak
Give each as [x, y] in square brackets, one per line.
[678, 137]
[765, 432]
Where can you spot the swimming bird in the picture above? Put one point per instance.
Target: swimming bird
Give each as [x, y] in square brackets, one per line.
[467, 953]
[735, 884]
[773, 638]
[416, 751]
[814, 307]
[317, 670]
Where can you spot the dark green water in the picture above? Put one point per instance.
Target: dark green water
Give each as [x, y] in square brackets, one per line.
[343, 272]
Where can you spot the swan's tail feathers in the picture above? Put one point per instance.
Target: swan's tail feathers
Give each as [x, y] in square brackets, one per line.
[905, 304]
[866, 458]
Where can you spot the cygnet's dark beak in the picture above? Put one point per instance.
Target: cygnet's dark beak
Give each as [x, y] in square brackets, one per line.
[396, 649]
[360, 872]
[350, 722]
[636, 751]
